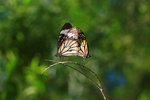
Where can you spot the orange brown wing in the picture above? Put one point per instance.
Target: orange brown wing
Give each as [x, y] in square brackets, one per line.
[83, 51]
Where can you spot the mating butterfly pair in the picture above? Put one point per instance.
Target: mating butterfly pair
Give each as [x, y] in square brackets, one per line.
[72, 42]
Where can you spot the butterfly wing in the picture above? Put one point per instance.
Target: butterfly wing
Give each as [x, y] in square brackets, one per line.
[72, 42]
[63, 32]
[83, 51]
[67, 46]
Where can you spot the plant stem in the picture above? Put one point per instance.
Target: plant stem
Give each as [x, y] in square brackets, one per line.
[70, 62]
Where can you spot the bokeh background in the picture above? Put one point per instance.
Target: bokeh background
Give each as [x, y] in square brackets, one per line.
[118, 34]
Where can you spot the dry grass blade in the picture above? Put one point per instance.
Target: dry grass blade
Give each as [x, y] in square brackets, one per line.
[70, 62]
[83, 75]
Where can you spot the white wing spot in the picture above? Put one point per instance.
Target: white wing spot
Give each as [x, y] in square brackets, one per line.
[71, 34]
[64, 31]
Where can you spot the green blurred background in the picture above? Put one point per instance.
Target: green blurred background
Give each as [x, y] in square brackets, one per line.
[118, 34]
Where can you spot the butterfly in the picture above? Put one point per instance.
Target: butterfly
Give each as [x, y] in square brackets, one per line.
[72, 42]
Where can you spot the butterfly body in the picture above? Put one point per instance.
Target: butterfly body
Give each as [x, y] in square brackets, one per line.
[72, 42]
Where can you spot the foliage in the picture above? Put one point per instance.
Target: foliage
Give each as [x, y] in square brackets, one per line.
[118, 35]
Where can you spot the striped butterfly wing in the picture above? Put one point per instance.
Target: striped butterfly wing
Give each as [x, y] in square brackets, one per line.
[63, 32]
[72, 42]
[84, 50]
[69, 48]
